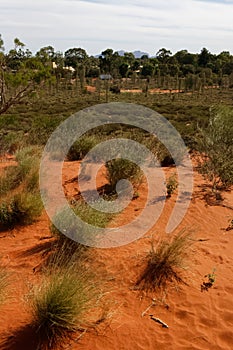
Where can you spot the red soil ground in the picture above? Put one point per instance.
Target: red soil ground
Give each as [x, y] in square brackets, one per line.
[197, 320]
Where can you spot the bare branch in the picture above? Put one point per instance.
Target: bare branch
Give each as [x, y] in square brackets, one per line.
[15, 99]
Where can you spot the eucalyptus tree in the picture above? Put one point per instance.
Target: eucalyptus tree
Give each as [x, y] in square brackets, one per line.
[46, 54]
[77, 58]
[163, 55]
[17, 55]
[18, 80]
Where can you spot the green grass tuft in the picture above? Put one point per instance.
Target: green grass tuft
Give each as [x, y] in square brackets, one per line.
[20, 209]
[68, 226]
[120, 168]
[61, 304]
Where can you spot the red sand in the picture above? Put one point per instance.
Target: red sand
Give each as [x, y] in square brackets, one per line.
[92, 89]
[197, 320]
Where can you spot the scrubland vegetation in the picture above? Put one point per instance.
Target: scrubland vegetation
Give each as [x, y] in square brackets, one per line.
[35, 98]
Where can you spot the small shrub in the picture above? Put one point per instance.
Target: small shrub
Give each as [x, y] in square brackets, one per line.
[26, 171]
[68, 226]
[119, 168]
[28, 166]
[23, 204]
[216, 147]
[31, 152]
[92, 216]
[10, 179]
[11, 142]
[21, 209]
[81, 147]
[164, 263]
[171, 185]
[61, 304]
[206, 285]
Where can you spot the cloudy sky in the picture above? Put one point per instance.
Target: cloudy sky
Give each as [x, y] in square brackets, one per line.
[95, 25]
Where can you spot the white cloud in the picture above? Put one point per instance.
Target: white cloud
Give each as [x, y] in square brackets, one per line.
[124, 24]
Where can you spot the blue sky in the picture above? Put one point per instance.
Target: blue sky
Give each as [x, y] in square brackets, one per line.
[124, 24]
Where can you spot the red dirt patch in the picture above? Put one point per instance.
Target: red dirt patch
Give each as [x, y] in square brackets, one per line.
[196, 320]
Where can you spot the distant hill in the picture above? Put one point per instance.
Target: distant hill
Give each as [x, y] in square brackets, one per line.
[137, 53]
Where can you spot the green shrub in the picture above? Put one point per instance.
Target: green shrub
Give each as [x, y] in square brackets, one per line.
[10, 179]
[171, 185]
[64, 220]
[23, 205]
[164, 262]
[119, 168]
[92, 216]
[61, 304]
[26, 171]
[28, 163]
[81, 147]
[20, 209]
[216, 146]
[10, 142]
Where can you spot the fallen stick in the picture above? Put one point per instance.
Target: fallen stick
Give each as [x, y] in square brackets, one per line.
[159, 321]
[200, 240]
[148, 308]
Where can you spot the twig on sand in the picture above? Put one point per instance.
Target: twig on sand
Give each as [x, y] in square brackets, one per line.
[148, 308]
[200, 240]
[164, 325]
[46, 237]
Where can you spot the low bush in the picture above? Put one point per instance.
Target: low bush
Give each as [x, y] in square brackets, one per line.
[10, 179]
[25, 171]
[10, 142]
[119, 168]
[164, 262]
[28, 164]
[216, 146]
[20, 201]
[68, 226]
[20, 209]
[171, 185]
[62, 303]
[81, 147]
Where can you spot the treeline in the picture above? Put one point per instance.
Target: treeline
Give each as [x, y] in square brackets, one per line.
[21, 70]
[182, 63]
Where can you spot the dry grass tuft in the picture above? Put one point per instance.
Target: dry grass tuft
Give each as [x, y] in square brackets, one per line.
[165, 262]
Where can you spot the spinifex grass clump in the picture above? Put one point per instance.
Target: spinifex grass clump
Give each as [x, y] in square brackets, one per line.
[28, 159]
[26, 171]
[165, 262]
[20, 201]
[63, 303]
[64, 222]
[81, 147]
[215, 143]
[20, 209]
[119, 168]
